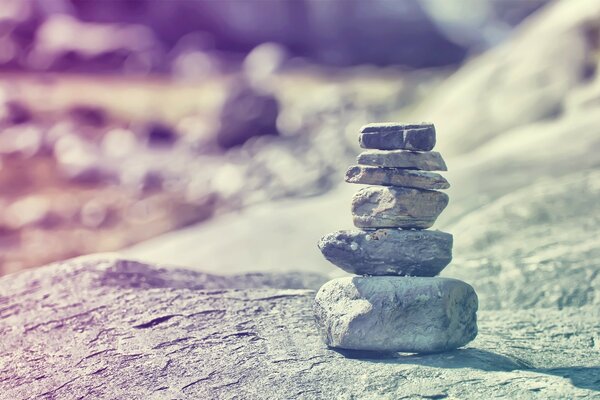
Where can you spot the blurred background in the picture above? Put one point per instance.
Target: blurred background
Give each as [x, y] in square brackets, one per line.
[124, 121]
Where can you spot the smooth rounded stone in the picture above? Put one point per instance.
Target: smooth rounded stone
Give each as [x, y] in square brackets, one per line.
[394, 136]
[397, 207]
[426, 161]
[388, 251]
[396, 314]
[369, 175]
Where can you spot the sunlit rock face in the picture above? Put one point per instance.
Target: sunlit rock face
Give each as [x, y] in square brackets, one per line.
[412, 315]
[425, 161]
[397, 207]
[370, 175]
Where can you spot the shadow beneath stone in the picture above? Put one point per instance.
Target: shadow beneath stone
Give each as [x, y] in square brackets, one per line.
[581, 377]
[461, 358]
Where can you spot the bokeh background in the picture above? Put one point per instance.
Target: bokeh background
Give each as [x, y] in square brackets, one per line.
[124, 121]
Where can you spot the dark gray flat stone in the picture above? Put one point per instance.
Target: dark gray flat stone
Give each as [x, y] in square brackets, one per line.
[396, 314]
[396, 136]
[368, 175]
[396, 207]
[425, 161]
[388, 251]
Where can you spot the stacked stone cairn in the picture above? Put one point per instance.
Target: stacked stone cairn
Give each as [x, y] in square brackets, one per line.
[396, 304]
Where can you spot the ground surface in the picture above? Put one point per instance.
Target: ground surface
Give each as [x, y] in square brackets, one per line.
[103, 328]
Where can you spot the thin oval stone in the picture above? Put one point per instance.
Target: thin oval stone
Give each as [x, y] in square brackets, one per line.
[388, 251]
[395, 136]
[369, 175]
[396, 207]
[425, 161]
[396, 314]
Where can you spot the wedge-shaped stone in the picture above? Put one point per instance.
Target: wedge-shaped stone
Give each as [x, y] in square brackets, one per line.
[426, 161]
[395, 177]
[394, 136]
[396, 207]
[396, 314]
[388, 251]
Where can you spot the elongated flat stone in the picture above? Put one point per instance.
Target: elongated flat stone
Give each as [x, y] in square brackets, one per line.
[396, 314]
[426, 161]
[396, 136]
[396, 207]
[369, 175]
[388, 251]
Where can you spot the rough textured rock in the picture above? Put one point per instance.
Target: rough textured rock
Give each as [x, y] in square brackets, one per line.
[396, 314]
[388, 251]
[116, 329]
[395, 177]
[516, 251]
[395, 136]
[426, 161]
[395, 207]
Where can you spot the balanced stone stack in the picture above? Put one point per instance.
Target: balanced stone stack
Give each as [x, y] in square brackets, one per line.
[396, 304]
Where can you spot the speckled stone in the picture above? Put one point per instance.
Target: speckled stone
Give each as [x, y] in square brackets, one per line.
[396, 314]
[425, 161]
[388, 251]
[394, 136]
[368, 175]
[396, 207]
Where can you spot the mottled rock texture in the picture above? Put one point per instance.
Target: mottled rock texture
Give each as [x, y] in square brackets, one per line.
[397, 314]
[368, 175]
[395, 207]
[114, 329]
[388, 251]
[395, 136]
[425, 161]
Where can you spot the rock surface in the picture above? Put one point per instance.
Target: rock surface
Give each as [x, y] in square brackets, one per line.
[388, 251]
[426, 161]
[117, 329]
[395, 136]
[396, 314]
[516, 251]
[395, 207]
[551, 57]
[395, 177]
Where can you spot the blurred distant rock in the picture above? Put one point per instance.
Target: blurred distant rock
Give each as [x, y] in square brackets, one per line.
[247, 112]
[135, 36]
[478, 24]
[159, 134]
[537, 75]
[15, 112]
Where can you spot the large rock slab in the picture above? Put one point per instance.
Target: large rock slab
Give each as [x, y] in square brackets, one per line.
[395, 207]
[388, 251]
[396, 136]
[115, 329]
[426, 161]
[396, 314]
[367, 175]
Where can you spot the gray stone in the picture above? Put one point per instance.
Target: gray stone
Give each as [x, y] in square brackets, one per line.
[124, 330]
[395, 177]
[395, 136]
[426, 161]
[388, 251]
[396, 314]
[395, 207]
